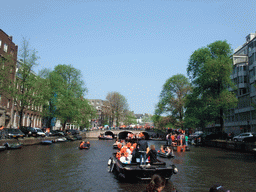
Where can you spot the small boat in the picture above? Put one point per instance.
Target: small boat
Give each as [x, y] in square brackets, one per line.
[135, 171]
[46, 142]
[84, 147]
[165, 155]
[62, 139]
[2, 148]
[13, 146]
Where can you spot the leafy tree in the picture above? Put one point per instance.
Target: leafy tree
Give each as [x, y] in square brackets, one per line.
[172, 97]
[65, 96]
[118, 105]
[26, 89]
[210, 69]
[129, 118]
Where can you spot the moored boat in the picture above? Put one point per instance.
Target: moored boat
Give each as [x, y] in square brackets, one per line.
[135, 171]
[62, 139]
[13, 145]
[46, 142]
[165, 155]
[2, 148]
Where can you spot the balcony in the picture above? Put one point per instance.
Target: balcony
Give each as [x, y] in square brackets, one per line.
[238, 59]
[242, 85]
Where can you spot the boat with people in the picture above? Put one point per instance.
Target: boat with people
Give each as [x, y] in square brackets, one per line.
[136, 171]
[165, 155]
[105, 137]
[84, 145]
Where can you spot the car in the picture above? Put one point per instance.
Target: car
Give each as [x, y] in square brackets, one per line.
[72, 132]
[56, 133]
[242, 136]
[194, 135]
[29, 131]
[13, 133]
[250, 139]
[39, 132]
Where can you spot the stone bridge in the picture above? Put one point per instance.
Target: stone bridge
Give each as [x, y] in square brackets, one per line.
[119, 133]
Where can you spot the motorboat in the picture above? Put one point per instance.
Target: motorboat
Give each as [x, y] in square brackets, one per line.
[135, 171]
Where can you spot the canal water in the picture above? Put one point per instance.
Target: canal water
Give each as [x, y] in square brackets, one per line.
[63, 167]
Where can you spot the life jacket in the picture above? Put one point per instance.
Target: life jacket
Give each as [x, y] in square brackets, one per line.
[162, 150]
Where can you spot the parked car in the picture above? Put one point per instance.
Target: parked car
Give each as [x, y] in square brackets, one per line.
[195, 135]
[72, 132]
[216, 135]
[250, 139]
[242, 136]
[13, 133]
[29, 131]
[56, 133]
[39, 132]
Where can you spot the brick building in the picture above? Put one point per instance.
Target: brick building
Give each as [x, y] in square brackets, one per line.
[9, 116]
[7, 49]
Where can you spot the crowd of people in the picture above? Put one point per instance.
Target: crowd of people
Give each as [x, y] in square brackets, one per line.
[177, 138]
[136, 152]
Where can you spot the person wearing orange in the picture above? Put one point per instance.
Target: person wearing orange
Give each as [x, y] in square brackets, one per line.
[1, 127]
[162, 149]
[118, 155]
[82, 144]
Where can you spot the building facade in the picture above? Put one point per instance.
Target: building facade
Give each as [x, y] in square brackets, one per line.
[243, 117]
[7, 49]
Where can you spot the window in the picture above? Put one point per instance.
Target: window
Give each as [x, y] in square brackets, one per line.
[8, 104]
[0, 42]
[5, 47]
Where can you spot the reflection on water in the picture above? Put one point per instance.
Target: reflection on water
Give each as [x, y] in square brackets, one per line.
[63, 167]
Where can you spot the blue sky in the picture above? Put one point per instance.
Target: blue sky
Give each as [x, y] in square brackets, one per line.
[131, 47]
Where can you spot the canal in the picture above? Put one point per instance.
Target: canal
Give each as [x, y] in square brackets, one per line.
[63, 167]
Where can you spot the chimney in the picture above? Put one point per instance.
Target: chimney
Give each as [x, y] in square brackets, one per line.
[10, 37]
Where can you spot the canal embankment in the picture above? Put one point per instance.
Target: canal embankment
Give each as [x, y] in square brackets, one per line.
[232, 145]
[26, 141]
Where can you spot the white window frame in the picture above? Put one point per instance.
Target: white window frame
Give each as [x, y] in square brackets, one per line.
[0, 42]
[5, 47]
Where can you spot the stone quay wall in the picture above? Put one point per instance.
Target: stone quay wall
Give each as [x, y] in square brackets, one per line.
[231, 145]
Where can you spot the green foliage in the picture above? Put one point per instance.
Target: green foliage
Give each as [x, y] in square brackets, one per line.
[210, 69]
[129, 118]
[65, 96]
[172, 97]
[20, 82]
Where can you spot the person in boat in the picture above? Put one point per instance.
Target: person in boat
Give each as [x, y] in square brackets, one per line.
[124, 158]
[156, 184]
[143, 145]
[152, 154]
[161, 149]
[88, 144]
[135, 155]
[82, 144]
[168, 150]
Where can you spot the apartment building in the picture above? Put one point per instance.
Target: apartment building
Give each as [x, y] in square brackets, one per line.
[9, 116]
[243, 117]
[7, 49]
